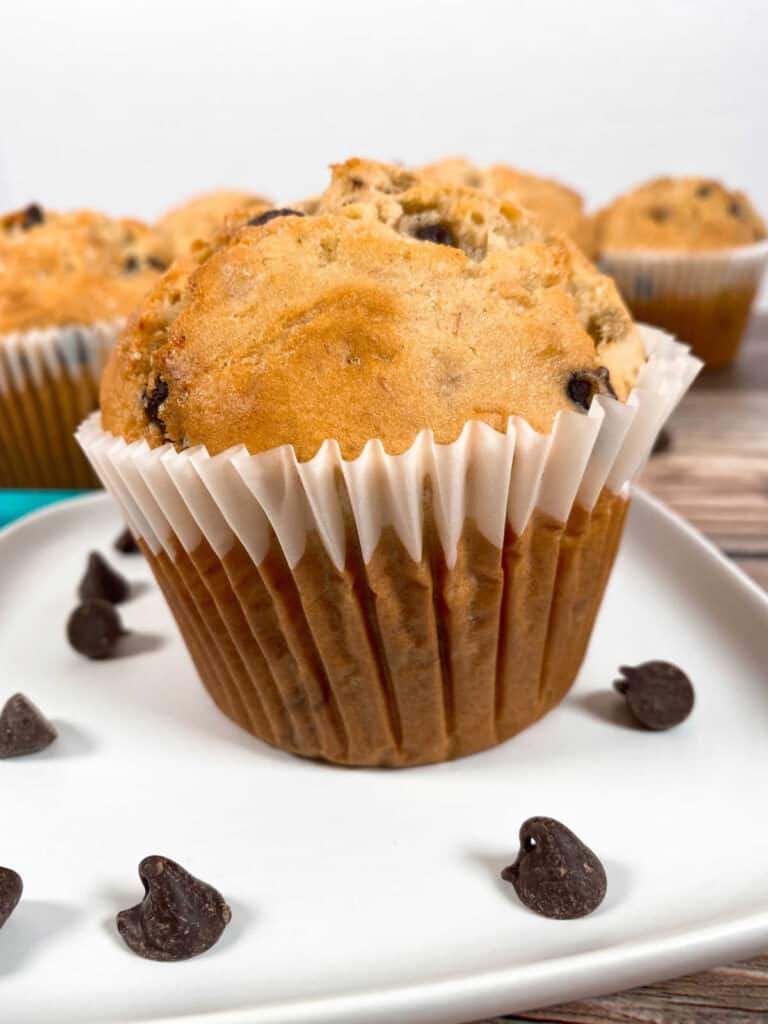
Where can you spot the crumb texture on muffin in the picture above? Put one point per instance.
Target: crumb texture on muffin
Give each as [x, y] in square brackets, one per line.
[685, 214]
[73, 268]
[556, 206]
[399, 305]
[202, 216]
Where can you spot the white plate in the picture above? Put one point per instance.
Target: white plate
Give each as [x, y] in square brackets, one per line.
[364, 896]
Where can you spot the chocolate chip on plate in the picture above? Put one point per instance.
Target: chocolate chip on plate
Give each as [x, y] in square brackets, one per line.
[126, 544]
[268, 215]
[662, 443]
[11, 888]
[179, 917]
[102, 581]
[555, 874]
[658, 694]
[23, 728]
[94, 628]
[440, 234]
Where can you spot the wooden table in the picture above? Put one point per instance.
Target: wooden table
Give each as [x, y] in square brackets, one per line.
[716, 475]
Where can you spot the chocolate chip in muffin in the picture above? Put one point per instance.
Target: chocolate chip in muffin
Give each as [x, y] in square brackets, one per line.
[704, 190]
[268, 215]
[156, 263]
[32, 215]
[607, 326]
[658, 693]
[153, 400]
[660, 214]
[102, 581]
[583, 385]
[23, 728]
[555, 874]
[94, 628]
[11, 888]
[131, 265]
[179, 917]
[440, 234]
[735, 209]
[126, 544]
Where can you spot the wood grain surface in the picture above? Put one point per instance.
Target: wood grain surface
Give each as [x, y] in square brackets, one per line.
[715, 473]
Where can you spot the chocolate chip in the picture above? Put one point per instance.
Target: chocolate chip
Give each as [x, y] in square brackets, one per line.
[268, 215]
[32, 215]
[126, 544]
[662, 443]
[153, 400]
[584, 384]
[156, 263]
[704, 190]
[179, 917]
[23, 728]
[94, 628]
[440, 234]
[131, 265]
[11, 888]
[555, 874]
[101, 580]
[660, 214]
[735, 208]
[658, 694]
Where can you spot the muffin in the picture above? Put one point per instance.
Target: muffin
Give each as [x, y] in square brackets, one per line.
[202, 216]
[558, 207]
[67, 283]
[379, 465]
[688, 254]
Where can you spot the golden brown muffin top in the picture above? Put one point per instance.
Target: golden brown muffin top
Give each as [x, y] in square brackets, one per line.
[200, 217]
[73, 268]
[687, 214]
[557, 207]
[400, 305]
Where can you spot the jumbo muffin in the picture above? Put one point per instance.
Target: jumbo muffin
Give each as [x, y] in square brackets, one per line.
[556, 206]
[688, 254]
[202, 216]
[375, 461]
[67, 283]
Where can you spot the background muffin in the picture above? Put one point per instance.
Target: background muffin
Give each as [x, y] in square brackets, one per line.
[396, 568]
[688, 254]
[67, 282]
[201, 216]
[557, 207]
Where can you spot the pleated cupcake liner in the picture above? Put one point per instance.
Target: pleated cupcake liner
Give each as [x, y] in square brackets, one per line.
[394, 609]
[49, 381]
[705, 298]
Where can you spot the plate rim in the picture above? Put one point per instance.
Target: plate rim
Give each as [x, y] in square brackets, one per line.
[457, 997]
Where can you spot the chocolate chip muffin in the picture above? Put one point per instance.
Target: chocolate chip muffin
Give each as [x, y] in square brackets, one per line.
[67, 282]
[688, 254]
[386, 449]
[556, 206]
[202, 216]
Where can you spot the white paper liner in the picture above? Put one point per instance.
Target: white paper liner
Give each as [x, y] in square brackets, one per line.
[24, 355]
[486, 475]
[643, 274]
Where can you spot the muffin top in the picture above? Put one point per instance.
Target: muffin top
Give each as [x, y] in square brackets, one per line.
[201, 216]
[556, 206]
[399, 305]
[73, 268]
[686, 214]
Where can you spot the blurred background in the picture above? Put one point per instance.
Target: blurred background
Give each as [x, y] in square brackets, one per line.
[130, 107]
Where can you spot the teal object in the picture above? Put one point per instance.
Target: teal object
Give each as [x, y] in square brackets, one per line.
[14, 504]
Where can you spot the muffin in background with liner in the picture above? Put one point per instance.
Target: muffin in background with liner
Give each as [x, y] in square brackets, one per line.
[200, 217]
[687, 254]
[558, 207]
[380, 466]
[67, 283]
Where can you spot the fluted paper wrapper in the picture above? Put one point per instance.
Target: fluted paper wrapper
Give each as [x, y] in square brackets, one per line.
[49, 381]
[394, 609]
[704, 298]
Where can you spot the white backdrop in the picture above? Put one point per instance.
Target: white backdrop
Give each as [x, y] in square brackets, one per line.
[128, 106]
